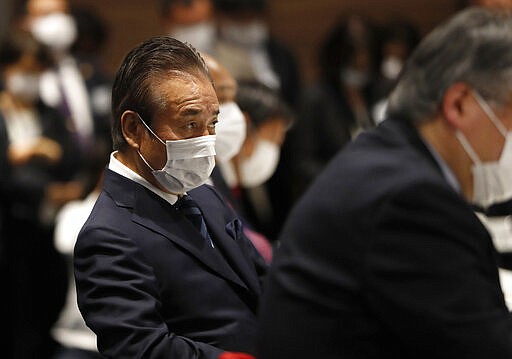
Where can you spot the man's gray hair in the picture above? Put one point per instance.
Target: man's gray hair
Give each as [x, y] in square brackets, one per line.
[473, 47]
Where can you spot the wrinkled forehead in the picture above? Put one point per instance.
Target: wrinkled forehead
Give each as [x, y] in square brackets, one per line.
[181, 87]
[190, 12]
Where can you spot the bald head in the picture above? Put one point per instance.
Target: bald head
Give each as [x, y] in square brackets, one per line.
[225, 83]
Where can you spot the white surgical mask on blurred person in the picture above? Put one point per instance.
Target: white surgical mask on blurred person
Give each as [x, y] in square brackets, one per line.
[261, 165]
[189, 164]
[391, 67]
[230, 131]
[57, 31]
[251, 34]
[354, 78]
[492, 181]
[25, 86]
[200, 35]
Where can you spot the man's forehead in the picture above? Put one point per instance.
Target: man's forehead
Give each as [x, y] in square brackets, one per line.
[180, 88]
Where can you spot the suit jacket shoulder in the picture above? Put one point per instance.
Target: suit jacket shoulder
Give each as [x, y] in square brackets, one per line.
[395, 254]
[139, 258]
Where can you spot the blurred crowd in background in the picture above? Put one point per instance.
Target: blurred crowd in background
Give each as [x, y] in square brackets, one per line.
[55, 134]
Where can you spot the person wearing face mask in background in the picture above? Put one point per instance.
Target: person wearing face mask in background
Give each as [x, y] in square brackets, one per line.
[190, 21]
[498, 217]
[384, 257]
[87, 50]
[250, 51]
[396, 44]
[41, 160]
[162, 266]
[64, 87]
[230, 134]
[246, 47]
[335, 109]
[247, 174]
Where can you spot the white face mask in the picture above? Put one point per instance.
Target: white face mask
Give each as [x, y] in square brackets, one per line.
[201, 35]
[230, 131]
[252, 34]
[353, 77]
[57, 31]
[25, 86]
[189, 163]
[492, 181]
[261, 165]
[391, 67]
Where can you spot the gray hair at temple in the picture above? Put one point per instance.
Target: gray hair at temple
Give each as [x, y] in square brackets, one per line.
[473, 47]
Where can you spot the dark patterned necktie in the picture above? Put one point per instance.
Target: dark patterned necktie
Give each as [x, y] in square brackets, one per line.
[191, 211]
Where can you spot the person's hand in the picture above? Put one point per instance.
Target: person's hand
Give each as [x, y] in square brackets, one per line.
[59, 193]
[48, 150]
[43, 148]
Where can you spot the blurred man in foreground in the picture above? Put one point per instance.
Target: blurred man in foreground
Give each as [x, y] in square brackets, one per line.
[384, 256]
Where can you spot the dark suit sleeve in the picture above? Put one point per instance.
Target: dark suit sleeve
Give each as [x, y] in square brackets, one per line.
[119, 299]
[431, 278]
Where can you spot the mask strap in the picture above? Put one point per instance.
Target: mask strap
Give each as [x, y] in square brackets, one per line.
[149, 129]
[490, 113]
[467, 147]
[143, 159]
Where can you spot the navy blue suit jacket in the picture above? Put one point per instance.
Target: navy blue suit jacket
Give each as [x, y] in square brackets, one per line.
[150, 286]
[382, 258]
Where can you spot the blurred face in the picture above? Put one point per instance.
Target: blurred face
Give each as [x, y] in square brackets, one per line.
[487, 139]
[191, 111]
[272, 130]
[26, 64]
[195, 12]
[22, 79]
[36, 8]
[51, 24]
[499, 4]
[396, 49]
[361, 60]
[225, 84]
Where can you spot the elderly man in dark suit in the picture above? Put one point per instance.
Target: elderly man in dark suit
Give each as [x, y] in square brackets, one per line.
[162, 267]
[384, 256]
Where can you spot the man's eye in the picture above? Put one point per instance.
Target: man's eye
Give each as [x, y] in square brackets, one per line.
[191, 125]
[213, 124]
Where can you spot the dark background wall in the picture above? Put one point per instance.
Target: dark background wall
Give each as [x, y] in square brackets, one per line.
[299, 23]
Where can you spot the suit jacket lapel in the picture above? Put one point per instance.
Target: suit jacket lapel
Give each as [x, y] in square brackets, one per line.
[231, 247]
[156, 214]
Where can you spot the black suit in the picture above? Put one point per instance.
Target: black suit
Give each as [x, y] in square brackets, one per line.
[150, 286]
[382, 258]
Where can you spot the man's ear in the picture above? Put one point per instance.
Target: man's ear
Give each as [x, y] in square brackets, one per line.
[454, 105]
[130, 126]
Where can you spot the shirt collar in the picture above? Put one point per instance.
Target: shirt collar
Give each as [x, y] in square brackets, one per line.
[445, 169]
[118, 167]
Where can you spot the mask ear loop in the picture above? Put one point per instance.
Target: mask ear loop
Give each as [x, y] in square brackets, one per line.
[146, 162]
[490, 113]
[467, 147]
[149, 129]
[154, 134]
